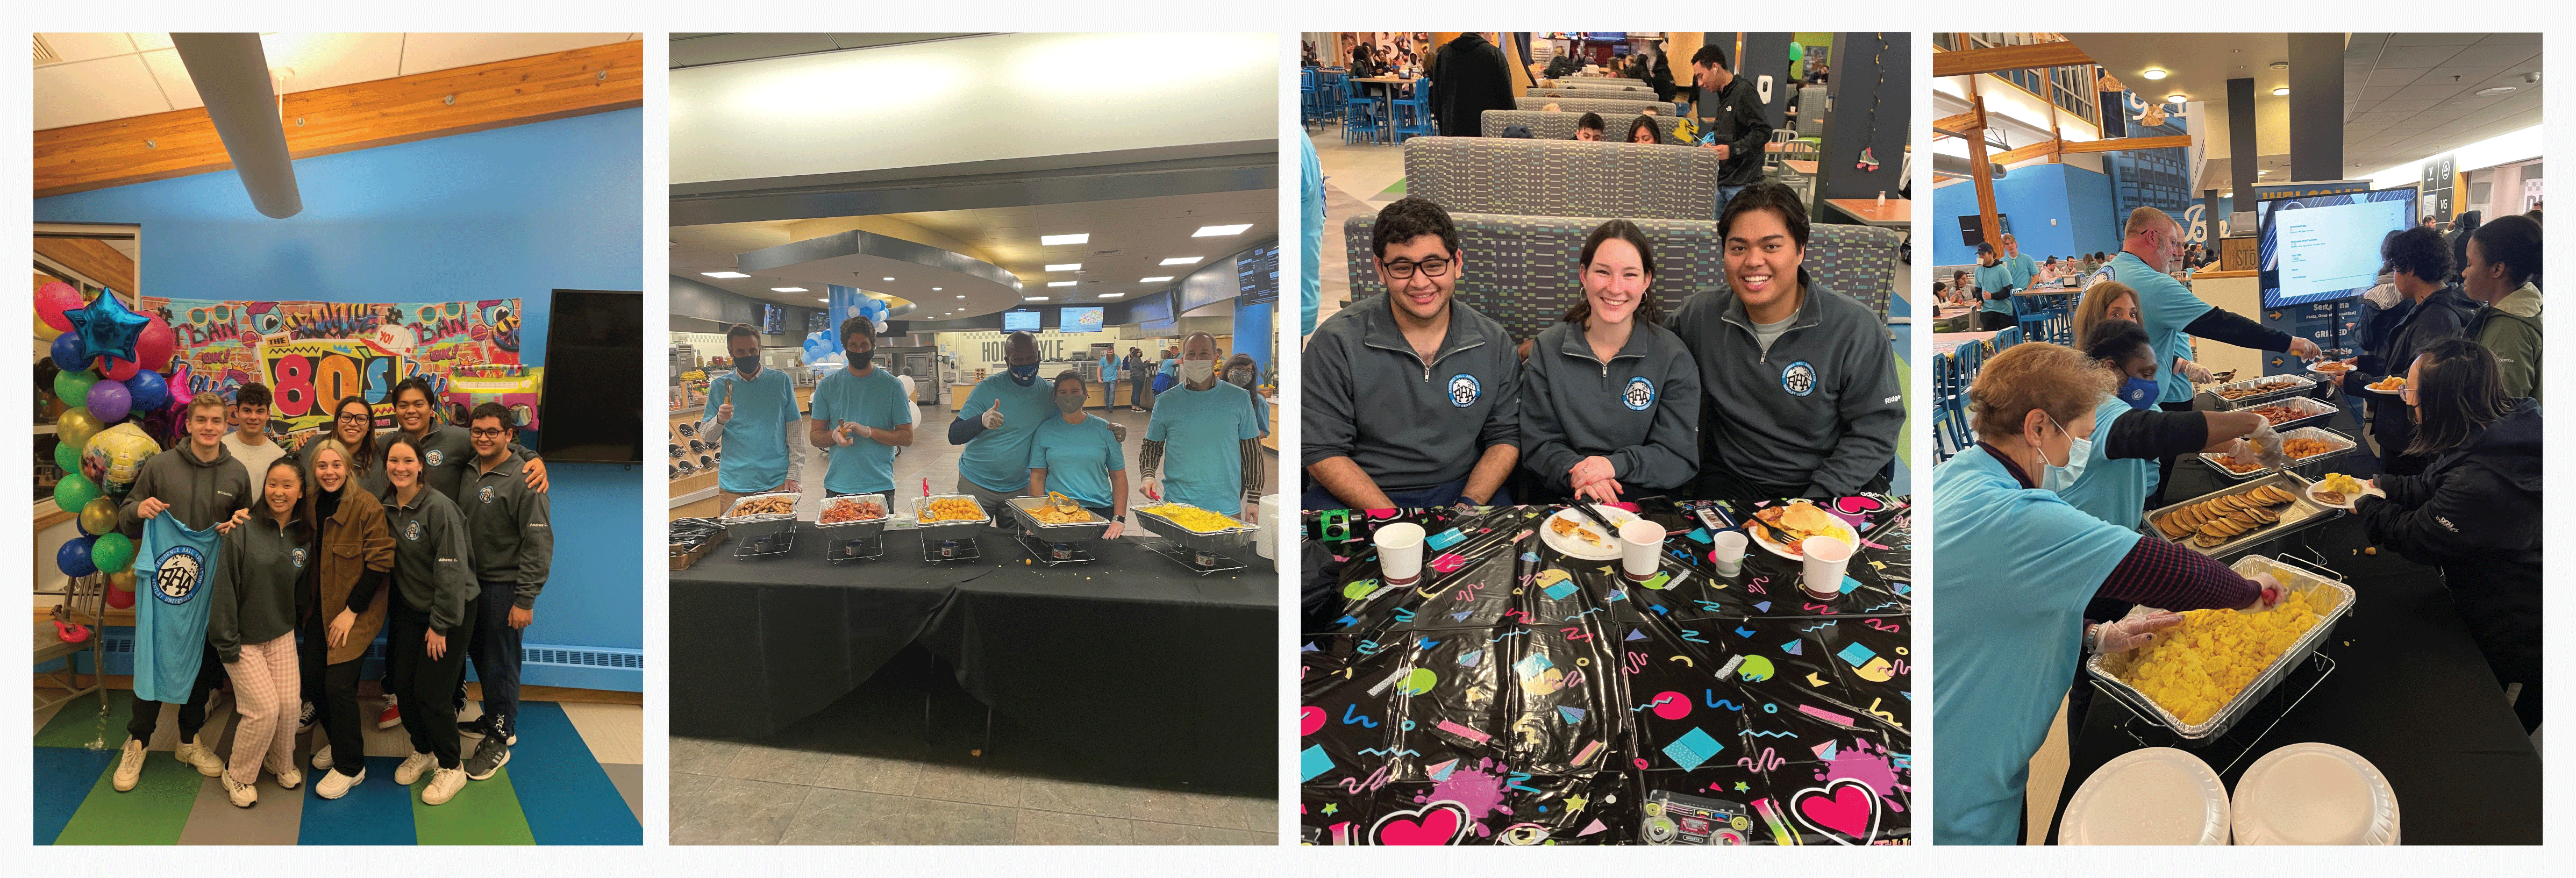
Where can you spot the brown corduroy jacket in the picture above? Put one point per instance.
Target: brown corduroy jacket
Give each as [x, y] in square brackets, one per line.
[354, 541]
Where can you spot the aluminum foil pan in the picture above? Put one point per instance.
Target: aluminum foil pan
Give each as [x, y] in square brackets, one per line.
[854, 530]
[749, 528]
[2287, 386]
[960, 529]
[2108, 669]
[1218, 541]
[1083, 532]
[2317, 412]
[2302, 513]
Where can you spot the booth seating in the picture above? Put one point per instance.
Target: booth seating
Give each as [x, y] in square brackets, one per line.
[1544, 125]
[1506, 175]
[1602, 92]
[1522, 271]
[1620, 110]
[1597, 80]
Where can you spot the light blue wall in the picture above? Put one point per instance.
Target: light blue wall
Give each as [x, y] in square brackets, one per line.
[513, 212]
[2079, 200]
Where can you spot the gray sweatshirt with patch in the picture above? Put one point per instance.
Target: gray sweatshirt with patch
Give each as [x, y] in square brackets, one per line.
[1815, 416]
[1639, 410]
[1409, 423]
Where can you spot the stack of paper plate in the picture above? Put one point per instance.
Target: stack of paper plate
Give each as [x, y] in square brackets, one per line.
[2314, 794]
[2158, 795]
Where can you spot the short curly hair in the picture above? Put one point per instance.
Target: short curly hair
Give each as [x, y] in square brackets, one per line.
[1774, 197]
[2420, 252]
[1412, 217]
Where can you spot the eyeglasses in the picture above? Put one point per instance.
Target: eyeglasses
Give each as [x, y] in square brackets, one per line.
[485, 432]
[354, 419]
[1402, 269]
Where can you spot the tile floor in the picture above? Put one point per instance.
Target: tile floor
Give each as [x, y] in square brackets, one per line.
[576, 777]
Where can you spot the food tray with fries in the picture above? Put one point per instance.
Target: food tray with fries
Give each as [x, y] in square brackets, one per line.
[1231, 533]
[2308, 447]
[2296, 412]
[2257, 391]
[855, 517]
[945, 517]
[1050, 521]
[2323, 594]
[755, 516]
[2232, 520]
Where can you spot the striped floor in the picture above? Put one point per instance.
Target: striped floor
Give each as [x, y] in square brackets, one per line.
[576, 777]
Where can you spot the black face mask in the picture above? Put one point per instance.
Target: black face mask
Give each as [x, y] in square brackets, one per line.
[862, 362]
[748, 366]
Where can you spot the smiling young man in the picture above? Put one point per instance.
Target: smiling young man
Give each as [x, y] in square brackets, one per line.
[513, 542]
[1802, 396]
[249, 441]
[999, 425]
[861, 415]
[748, 410]
[446, 451]
[1412, 400]
[185, 495]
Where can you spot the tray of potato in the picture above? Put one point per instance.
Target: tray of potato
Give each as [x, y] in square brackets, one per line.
[2199, 678]
[1196, 528]
[2237, 518]
[1056, 519]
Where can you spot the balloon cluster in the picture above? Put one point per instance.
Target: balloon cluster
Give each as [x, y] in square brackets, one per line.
[824, 348]
[108, 368]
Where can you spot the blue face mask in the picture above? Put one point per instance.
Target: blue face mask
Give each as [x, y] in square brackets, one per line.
[2053, 477]
[1025, 375]
[2139, 393]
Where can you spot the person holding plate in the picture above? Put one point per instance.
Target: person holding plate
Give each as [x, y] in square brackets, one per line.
[2421, 260]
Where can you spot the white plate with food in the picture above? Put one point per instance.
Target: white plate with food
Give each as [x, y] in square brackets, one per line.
[2330, 368]
[1780, 528]
[2385, 387]
[1570, 532]
[2341, 491]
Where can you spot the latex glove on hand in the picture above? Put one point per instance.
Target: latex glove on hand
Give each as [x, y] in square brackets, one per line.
[2305, 349]
[1153, 488]
[2273, 591]
[993, 416]
[2128, 634]
[2197, 373]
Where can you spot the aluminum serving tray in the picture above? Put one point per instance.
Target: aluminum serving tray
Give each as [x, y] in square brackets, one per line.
[2301, 514]
[854, 530]
[2318, 412]
[2311, 466]
[957, 529]
[1056, 533]
[1219, 541]
[751, 528]
[2107, 669]
[2301, 386]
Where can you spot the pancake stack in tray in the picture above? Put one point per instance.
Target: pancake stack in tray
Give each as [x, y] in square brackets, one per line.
[2219, 519]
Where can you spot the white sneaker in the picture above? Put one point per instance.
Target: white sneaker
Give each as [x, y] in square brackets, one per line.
[201, 757]
[443, 786]
[334, 784]
[413, 767]
[243, 795]
[129, 765]
[322, 758]
[289, 777]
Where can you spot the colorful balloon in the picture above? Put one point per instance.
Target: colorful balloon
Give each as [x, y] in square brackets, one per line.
[115, 369]
[153, 349]
[74, 492]
[118, 454]
[120, 598]
[76, 426]
[51, 301]
[98, 517]
[43, 332]
[110, 401]
[69, 355]
[72, 386]
[121, 580]
[67, 456]
[112, 551]
[73, 558]
[150, 391]
[108, 327]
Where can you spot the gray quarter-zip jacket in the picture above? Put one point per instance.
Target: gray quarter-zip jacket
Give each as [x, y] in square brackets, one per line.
[261, 566]
[1408, 424]
[432, 560]
[446, 457]
[1640, 410]
[203, 493]
[513, 541]
[1815, 417]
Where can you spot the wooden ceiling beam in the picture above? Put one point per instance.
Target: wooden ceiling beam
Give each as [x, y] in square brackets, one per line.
[101, 262]
[2002, 58]
[2043, 148]
[2120, 143]
[463, 100]
[1962, 125]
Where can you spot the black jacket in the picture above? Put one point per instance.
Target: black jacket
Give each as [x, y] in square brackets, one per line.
[1468, 77]
[1736, 116]
[2441, 315]
[2475, 513]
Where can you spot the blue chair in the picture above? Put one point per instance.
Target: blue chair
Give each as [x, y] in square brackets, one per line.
[1361, 114]
[1307, 102]
[1947, 434]
[1413, 114]
[2007, 338]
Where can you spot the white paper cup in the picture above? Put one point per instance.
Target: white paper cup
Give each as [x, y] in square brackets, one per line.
[1822, 572]
[1727, 551]
[1641, 548]
[1399, 551]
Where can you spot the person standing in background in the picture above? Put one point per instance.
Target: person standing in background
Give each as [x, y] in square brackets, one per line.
[1139, 378]
[1735, 124]
[1468, 77]
[2503, 271]
[1109, 379]
[249, 441]
[748, 410]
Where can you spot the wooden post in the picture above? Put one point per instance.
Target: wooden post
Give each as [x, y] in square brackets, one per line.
[1984, 176]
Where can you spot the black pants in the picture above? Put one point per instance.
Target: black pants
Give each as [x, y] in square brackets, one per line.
[333, 690]
[2165, 465]
[423, 683]
[496, 655]
[1716, 482]
[1138, 387]
[1988, 321]
[192, 714]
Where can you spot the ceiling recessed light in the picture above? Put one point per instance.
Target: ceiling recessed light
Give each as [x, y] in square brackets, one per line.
[2498, 90]
[1111, 295]
[789, 290]
[961, 297]
[2154, 74]
[724, 274]
[1052, 240]
[1053, 283]
[1183, 260]
[1215, 231]
[1034, 299]
[2179, 99]
[889, 280]
[1065, 266]
[824, 301]
[934, 289]
[2281, 91]
[1153, 280]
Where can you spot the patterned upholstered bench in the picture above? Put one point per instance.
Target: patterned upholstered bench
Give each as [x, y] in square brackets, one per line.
[1559, 125]
[1608, 109]
[1597, 80]
[1521, 270]
[1604, 92]
[1503, 175]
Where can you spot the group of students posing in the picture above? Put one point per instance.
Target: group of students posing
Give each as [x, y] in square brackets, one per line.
[1023, 436]
[279, 580]
[1768, 387]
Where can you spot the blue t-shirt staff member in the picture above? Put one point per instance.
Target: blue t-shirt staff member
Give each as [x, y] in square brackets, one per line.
[2017, 566]
[1207, 430]
[1994, 290]
[1077, 454]
[1411, 399]
[998, 426]
[861, 415]
[2150, 245]
[749, 410]
[2023, 270]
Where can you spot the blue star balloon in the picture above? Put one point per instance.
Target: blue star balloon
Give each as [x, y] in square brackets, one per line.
[107, 327]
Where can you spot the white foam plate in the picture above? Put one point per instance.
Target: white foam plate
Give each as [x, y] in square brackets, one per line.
[1575, 547]
[2374, 388]
[2157, 795]
[1761, 534]
[2314, 794]
[2349, 501]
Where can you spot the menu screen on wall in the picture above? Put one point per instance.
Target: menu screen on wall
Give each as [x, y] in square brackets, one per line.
[1020, 321]
[2320, 247]
[1256, 274]
[773, 319]
[1078, 319]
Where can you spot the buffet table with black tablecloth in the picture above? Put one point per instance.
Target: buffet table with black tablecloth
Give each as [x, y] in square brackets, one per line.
[1516, 695]
[1100, 656]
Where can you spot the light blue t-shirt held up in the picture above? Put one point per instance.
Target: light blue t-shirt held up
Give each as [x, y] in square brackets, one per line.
[1078, 459]
[755, 441]
[998, 459]
[1201, 432]
[876, 400]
